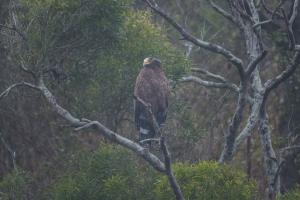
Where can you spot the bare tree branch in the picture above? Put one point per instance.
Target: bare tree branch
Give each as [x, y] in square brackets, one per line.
[212, 84]
[271, 162]
[210, 74]
[222, 11]
[112, 136]
[252, 65]
[273, 83]
[262, 23]
[174, 185]
[291, 22]
[8, 90]
[206, 45]
[163, 146]
[289, 148]
[290, 32]
[272, 12]
[148, 107]
[15, 30]
[28, 71]
[294, 13]
[251, 121]
[236, 120]
[11, 152]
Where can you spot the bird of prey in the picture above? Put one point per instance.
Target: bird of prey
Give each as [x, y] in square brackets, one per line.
[152, 87]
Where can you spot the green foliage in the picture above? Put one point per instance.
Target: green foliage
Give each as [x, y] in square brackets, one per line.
[98, 46]
[14, 185]
[189, 128]
[65, 32]
[113, 173]
[109, 173]
[109, 83]
[207, 181]
[291, 195]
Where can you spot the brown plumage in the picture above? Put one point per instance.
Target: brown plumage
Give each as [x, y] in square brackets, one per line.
[152, 87]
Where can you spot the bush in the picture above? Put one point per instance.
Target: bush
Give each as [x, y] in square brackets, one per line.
[113, 173]
[15, 185]
[207, 181]
[110, 82]
[109, 173]
[291, 195]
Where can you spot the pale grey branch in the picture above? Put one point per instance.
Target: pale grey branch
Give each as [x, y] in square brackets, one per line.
[112, 136]
[222, 11]
[206, 45]
[173, 182]
[8, 90]
[211, 84]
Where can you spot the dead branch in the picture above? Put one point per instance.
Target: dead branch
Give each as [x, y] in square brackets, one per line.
[163, 146]
[206, 45]
[80, 125]
[173, 182]
[222, 11]
[294, 13]
[273, 12]
[270, 159]
[211, 75]
[290, 148]
[11, 152]
[11, 87]
[211, 84]
[273, 83]
[236, 120]
[251, 122]
[252, 65]
[15, 30]
[149, 110]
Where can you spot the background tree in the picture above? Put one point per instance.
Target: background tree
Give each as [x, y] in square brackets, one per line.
[245, 15]
[54, 42]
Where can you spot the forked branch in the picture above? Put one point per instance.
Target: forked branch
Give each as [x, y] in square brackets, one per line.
[198, 42]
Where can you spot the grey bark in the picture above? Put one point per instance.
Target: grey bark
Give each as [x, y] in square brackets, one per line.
[244, 14]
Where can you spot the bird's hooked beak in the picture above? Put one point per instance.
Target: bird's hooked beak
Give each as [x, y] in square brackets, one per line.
[147, 61]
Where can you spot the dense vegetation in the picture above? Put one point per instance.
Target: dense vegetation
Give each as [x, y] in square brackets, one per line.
[89, 53]
[113, 173]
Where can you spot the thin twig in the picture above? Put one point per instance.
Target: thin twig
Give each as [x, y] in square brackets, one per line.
[11, 152]
[210, 74]
[289, 148]
[149, 140]
[15, 30]
[272, 12]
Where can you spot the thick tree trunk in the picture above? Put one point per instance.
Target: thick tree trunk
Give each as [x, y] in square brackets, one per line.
[271, 163]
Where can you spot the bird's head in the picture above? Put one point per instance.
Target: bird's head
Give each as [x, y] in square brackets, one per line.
[150, 62]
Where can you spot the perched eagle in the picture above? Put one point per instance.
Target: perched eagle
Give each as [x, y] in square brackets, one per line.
[153, 88]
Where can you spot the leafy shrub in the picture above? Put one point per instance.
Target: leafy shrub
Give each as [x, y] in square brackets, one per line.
[14, 185]
[291, 195]
[110, 81]
[109, 173]
[207, 181]
[113, 173]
